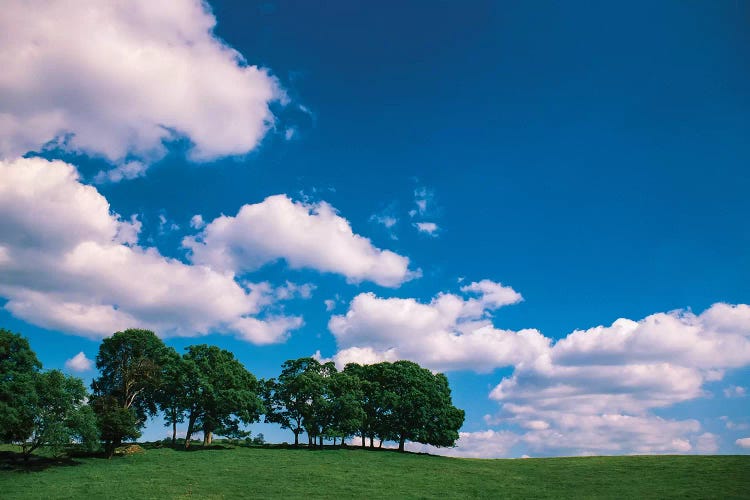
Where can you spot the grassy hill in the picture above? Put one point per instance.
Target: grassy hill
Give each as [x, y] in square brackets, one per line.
[227, 472]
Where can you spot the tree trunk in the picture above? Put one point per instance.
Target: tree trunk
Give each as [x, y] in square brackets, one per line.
[372, 445]
[174, 433]
[207, 437]
[296, 438]
[334, 441]
[189, 434]
[364, 442]
[309, 440]
[401, 442]
[381, 444]
[321, 440]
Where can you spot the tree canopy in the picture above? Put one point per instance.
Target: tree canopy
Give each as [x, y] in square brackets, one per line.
[131, 365]
[219, 393]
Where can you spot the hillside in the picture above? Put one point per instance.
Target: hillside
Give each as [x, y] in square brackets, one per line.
[226, 472]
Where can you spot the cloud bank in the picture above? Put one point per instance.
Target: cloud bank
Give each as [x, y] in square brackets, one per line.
[594, 391]
[118, 79]
[67, 263]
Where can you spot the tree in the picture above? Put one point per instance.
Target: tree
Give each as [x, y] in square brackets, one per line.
[370, 401]
[131, 371]
[19, 368]
[300, 398]
[39, 409]
[171, 391]
[346, 412]
[219, 393]
[61, 414]
[418, 405]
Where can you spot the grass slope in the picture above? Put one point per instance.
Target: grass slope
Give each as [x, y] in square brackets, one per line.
[287, 473]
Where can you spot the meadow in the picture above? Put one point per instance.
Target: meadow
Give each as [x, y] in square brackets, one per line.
[271, 472]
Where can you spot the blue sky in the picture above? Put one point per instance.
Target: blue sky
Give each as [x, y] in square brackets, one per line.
[467, 185]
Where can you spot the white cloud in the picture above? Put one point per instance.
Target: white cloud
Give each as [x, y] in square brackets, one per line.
[330, 304]
[597, 388]
[735, 391]
[74, 266]
[743, 443]
[429, 228]
[451, 332]
[128, 170]
[196, 222]
[117, 79]
[79, 363]
[481, 444]
[306, 235]
[592, 392]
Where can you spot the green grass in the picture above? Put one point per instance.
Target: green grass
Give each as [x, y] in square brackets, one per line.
[286, 473]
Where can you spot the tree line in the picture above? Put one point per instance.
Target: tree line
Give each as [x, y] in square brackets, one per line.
[212, 392]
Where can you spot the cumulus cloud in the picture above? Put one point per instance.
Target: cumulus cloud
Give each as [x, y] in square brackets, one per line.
[71, 265]
[743, 443]
[448, 333]
[594, 391]
[118, 79]
[597, 389]
[481, 444]
[305, 235]
[79, 363]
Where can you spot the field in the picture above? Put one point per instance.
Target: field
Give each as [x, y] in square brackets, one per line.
[228, 472]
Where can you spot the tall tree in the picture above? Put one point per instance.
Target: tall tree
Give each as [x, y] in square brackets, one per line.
[131, 371]
[345, 408]
[219, 393]
[375, 420]
[171, 391]
[418, 405]
[19, 367]
[282, 406]
[61, 414]
[298, 396]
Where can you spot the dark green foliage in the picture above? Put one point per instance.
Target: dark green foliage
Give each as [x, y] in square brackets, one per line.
[293, 399]
[19, 367]
[40, 409]
[131, 367]
[116, 424]
[219, 394]
[404, 402]
[60, 414]
[170, 393]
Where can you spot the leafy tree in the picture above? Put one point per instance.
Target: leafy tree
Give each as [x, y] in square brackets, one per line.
[282, 405]
[418, 405]
[219, 393]
[301, 399]
[131, 371]
[19, 368]
[374, 421]
[171, 391]
[293, 399]
[115, 422]
[60, 414]
[345, 408]
[39, 408]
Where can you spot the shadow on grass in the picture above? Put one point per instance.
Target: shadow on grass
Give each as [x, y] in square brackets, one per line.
[12, 461]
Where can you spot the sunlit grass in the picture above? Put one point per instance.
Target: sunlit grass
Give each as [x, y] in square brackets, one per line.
[227, 472]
